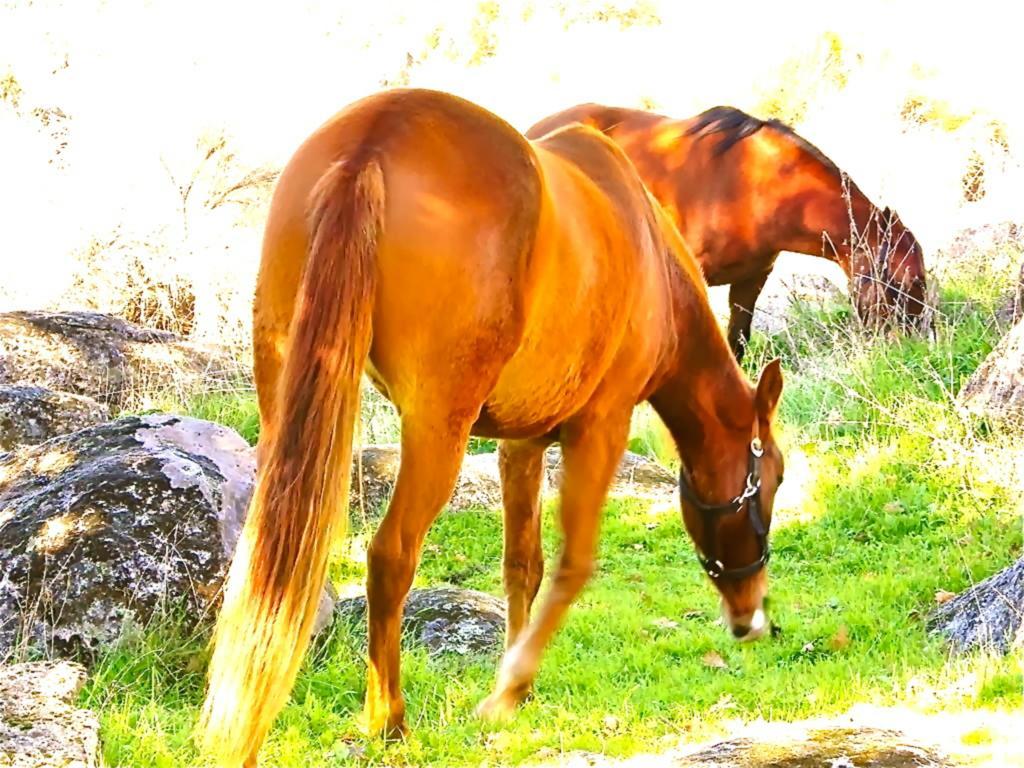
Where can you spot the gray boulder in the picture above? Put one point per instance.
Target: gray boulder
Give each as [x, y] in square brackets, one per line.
[785, 294]
[30, 415]
[988, 616]
[40, 726]
[964, 247]
[443, 619]
[636, 476]
[104, 357]
[820, 743]
[375, 470]
[996, 388]
[106, 528]
[479, 483]
[839, 747]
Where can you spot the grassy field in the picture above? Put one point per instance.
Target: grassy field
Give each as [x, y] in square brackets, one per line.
[891, 497]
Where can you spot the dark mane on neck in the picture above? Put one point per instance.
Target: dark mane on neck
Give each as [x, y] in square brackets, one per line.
[734, 125]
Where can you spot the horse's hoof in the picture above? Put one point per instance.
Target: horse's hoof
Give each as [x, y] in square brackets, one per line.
[390, 728]
[501, 705]
[496, 708]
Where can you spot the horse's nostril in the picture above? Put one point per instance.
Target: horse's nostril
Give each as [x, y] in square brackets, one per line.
[740, 630]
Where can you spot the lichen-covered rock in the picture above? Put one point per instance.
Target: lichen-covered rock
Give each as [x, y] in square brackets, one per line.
[818, 743]
[779, 303]
[40, 726]
[636, 476]
[30, 415]
[479, 483]
[1011, 308]
[444, 619]
[966, 245]
[989, 615]
[996, 388]
[100, 356]
[989, 251]
[375, 470]
[796, 747]
[104, 527]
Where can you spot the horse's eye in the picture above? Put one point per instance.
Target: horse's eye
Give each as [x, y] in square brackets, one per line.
[781, 478]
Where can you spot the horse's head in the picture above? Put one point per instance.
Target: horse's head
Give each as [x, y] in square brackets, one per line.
[727, 495]
[888, 273]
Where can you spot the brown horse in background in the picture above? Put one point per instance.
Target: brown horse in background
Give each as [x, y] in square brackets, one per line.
[529, 292]
[741, 190]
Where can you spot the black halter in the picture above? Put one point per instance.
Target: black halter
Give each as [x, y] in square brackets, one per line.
[751, 497]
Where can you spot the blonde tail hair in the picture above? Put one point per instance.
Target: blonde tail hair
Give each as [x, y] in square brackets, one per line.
[301, 499]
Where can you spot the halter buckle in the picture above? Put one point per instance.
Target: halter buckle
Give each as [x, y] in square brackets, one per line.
[749, 492]
[716, 569]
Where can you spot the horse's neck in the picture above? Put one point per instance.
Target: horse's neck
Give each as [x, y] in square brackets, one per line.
[703, 392]
[826, 211]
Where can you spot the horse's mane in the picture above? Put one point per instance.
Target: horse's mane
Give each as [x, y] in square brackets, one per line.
[734, 125]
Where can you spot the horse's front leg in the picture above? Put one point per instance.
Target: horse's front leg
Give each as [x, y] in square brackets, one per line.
[521, 463]
[592, 449]
[742, 298]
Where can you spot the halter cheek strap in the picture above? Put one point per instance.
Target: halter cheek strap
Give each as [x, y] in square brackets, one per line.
[751, 497]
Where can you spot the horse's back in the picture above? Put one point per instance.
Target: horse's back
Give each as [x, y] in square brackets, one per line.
[462, 198]
[497, 260]
[600, 116]
[600, 304]
[709, 195]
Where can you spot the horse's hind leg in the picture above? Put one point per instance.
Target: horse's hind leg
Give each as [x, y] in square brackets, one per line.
[592, 449]
[276, 288]
[433, 444]
[521, 463]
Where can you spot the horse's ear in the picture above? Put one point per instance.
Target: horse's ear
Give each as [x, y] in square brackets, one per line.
[769, 389]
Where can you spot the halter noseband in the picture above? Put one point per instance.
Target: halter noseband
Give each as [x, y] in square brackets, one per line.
[751, 496]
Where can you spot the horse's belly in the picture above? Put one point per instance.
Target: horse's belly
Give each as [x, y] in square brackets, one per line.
[544, 384]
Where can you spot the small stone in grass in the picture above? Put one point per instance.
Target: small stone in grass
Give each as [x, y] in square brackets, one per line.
[714, 660]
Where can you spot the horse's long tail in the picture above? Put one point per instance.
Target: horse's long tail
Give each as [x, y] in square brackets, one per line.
[300, 503]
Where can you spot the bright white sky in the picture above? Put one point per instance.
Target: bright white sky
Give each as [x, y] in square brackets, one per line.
[142, 81]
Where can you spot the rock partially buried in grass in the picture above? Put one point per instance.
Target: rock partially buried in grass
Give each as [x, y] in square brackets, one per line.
[479, 483]
[996, 388]
[988, 616]
[40, 727]
[782, 745]
[797, 747]
[375, 470]
[101, 356]
[32, 415]
[636, 476]
[786, 295]
[108, 527]
[443, 619]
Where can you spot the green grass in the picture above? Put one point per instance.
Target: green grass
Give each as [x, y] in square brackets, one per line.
[898, 500]
[238, 410]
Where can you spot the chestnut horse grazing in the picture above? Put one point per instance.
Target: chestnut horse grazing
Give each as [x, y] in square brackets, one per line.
[742, 189]
[489, 286]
